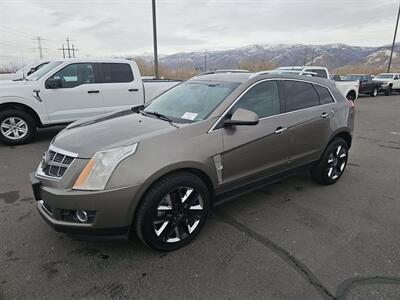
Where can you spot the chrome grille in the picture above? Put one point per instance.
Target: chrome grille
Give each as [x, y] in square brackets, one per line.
[55, 162]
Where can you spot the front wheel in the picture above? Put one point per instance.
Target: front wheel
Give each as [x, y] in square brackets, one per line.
[16, 127]
[172, 212]
[388, 92]
[374, 93]
[332, 164]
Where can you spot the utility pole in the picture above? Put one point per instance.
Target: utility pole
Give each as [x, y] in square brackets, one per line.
[68, 48]
[63, 50]
[73, 50]
[205, 61]
[394, 40]
[155, 39]
[312, 56]
[39, 40]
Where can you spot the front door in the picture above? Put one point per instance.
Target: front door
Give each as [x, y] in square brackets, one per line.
[78, 97]
[254, 152]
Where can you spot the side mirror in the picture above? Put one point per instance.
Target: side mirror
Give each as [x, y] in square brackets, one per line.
[32, 70]
[53, 83]
[242, 117]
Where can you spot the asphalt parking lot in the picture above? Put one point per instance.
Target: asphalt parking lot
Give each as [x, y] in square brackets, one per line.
[291, 240]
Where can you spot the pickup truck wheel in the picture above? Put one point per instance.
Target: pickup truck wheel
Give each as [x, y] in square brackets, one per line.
[374, 93]
[16, 127]
[350, 97]
[388, 92]
[172, 212]
[332, 164]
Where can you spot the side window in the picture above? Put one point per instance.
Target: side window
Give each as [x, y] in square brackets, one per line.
[263, 99]
[396, 77]
[324, 96]
[75, 74]
[320, 73]
[116, 72]
[299, 95]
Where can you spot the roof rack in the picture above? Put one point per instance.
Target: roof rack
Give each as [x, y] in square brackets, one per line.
[280, 71]
[224, 71]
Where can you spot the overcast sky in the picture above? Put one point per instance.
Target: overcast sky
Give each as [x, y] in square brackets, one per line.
[124, 27]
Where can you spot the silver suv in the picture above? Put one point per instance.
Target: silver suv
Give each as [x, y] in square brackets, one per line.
[157, 169]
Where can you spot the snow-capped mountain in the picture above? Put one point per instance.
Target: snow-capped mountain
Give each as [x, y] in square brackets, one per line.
[330, 55]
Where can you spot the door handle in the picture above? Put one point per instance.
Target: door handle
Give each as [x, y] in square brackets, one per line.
[93, 92]
[324, 115]
[280, 129]
[133, 90]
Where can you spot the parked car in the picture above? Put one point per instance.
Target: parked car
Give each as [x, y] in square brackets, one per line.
[64, 91]
[349, 89]
[25, 71]
[157, 169]
[368, 86]
[390, 82]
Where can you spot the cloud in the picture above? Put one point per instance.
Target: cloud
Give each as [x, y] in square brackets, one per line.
[120, 27]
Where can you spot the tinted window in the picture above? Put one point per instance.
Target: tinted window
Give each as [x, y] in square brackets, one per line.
[75, 74]
[299, 95]
[320, 73]
[263, 99]
[324, 96]
[114, 72]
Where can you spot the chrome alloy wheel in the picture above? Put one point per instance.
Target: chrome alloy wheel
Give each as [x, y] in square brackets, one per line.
[178, 214]
[14, 128]
[337, 161]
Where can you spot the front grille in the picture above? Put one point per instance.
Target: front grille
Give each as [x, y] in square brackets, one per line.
[55, 162]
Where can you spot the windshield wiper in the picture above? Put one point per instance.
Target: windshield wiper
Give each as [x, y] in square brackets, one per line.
[158, 115]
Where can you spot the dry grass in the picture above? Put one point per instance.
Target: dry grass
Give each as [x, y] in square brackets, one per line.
[359, 69]
[181, 72]
[256, 65]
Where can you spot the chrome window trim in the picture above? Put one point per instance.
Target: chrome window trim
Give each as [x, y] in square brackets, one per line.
[281, 114]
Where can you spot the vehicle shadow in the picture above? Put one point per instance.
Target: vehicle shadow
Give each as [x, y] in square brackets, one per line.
[43, 135]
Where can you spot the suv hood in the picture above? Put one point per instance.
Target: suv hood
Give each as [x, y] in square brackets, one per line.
[88, 136]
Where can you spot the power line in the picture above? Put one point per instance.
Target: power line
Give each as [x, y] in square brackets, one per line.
[39, 40]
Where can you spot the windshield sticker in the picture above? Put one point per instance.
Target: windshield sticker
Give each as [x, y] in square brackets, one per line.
[189, 116]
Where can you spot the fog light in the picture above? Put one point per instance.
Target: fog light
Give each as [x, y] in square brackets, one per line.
[82, 216]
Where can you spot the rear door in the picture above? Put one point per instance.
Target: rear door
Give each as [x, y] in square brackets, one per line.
[253, 152]
[78, 97]
[310, 111]
[396, 81]
[120, 89]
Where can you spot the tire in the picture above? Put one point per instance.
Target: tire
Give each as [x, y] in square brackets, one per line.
[388, 92]
[24, 127]
[350, 97]
[172, 212]
[332, 164]
[374, 93]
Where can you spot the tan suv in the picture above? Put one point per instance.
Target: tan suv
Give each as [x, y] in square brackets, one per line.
[157, 169]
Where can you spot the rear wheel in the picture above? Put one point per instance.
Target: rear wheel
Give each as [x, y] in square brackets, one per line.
[389, 90]
[16, 127]
[332, 163]
[374, 93]
[173, 212]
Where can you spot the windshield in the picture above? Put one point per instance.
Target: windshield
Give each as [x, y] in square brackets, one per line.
[385, 76]
[352, 77]
[191, 101]
[43, 71]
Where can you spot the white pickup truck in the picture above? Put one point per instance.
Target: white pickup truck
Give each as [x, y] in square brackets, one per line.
[349, 89]
[64, 91]
[25, 71]
[390, 82]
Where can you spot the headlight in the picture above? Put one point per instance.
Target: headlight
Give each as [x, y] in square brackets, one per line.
[98, 170]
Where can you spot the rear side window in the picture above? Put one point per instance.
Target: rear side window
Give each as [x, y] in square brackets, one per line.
[299, 95]
[325, 96]
[263, 99]
[320, 73]
[116, 72]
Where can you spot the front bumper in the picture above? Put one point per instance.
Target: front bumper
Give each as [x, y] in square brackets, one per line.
[110, 212]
